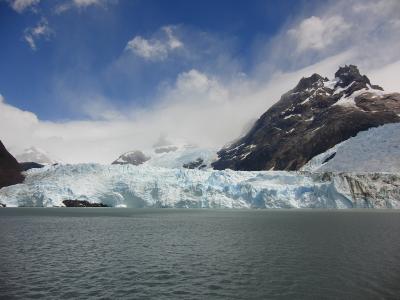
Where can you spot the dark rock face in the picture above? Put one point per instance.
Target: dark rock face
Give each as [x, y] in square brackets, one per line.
[308, 120]
[197, 164]
[134, 158]
[10, 170]
[82, 203]
[25, 166]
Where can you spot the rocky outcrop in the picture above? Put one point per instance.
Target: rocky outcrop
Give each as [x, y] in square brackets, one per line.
[197, 164]
[133, 158]
[308, 120]
[82, 203]
[10, 170]
[25, 166]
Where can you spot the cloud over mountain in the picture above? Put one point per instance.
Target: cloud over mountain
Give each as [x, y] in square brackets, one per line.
[200, 88]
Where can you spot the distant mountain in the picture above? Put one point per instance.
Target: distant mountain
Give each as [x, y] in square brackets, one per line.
[170, 155]
[34, 154]
[310, 119]
[10, 170]
[133, 157]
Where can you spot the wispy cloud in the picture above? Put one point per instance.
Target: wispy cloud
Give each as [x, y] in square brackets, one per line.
[22, 5]
[81, 5]
[42, 30]
[155, 48]
[315, 33]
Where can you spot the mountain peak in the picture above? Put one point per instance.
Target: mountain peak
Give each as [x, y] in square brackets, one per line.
[308, 82]
[310, 119]
[348, 74]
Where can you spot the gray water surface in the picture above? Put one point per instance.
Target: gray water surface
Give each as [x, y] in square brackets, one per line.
[106, 253]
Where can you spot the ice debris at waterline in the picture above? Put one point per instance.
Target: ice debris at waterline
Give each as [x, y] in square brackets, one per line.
[140, 186]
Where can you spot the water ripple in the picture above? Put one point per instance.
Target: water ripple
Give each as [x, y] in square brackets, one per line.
[192, 254]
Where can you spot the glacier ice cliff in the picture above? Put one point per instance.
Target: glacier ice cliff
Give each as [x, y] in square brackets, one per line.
[147, 186]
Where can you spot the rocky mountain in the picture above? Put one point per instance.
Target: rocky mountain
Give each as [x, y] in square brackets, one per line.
[36, 155]
[310, 119]
[10, 170]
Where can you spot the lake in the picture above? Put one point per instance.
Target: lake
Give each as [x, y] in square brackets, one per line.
[111, 253]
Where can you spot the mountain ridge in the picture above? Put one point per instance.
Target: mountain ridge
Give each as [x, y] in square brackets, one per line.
[314, 116]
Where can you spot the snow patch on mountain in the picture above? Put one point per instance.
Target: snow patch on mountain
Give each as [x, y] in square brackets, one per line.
[182, 155]
[349, 100]
[37, 155]
[171, 155]
[375, 150]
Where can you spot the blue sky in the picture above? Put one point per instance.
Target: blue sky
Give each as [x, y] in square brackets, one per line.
[76, 74]
[83, 45]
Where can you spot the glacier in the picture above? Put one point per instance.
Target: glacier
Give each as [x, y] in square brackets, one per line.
[374, 150]
[148, 186]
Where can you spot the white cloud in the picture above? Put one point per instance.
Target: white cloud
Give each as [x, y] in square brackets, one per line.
[85, 3]
[21, 5]
[81, 4]
[317, 33]
[155, 49]
[147, 49]
[40, 31]
[197, 108]
[208, 109]
[173, 41]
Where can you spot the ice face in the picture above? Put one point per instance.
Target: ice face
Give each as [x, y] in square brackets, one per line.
[147, 186]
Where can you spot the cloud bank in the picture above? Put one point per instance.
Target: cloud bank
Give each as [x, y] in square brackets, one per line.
[205, 106]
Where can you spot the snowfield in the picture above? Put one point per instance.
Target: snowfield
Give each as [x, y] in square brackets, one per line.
[146, 186]
[374, 150]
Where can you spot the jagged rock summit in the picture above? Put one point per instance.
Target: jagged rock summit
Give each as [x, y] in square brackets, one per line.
[308, 120]
[10, 170]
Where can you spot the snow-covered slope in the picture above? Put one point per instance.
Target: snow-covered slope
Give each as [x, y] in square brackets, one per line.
[375, 150]
[34, 154]
[172, 156]
[180, 156]
[146, 186]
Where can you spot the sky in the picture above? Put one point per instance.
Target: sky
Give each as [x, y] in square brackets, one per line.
[87, 80]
